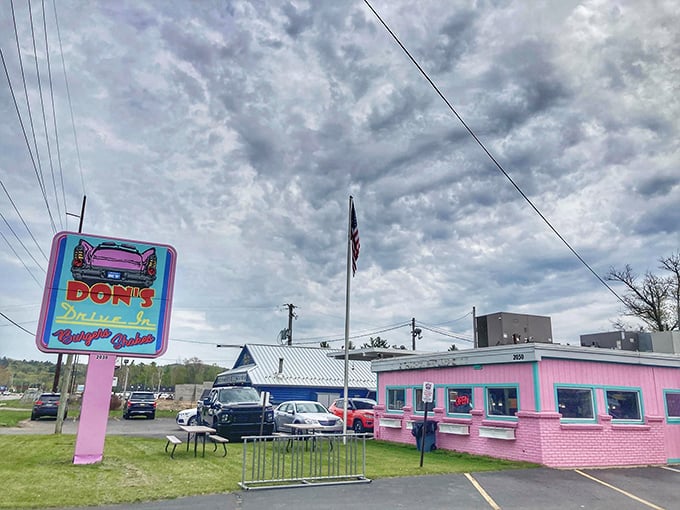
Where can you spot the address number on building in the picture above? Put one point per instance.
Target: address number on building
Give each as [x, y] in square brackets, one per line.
[518, 357]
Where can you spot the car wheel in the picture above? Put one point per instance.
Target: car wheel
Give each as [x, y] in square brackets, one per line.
[126, 417]
[358, 426]
[152, 416]
[33, 417]
[191, 421]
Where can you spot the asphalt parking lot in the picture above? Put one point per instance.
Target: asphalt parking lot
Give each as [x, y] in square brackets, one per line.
[527, 489]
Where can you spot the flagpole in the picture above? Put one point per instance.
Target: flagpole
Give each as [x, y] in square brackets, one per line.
[349, 279]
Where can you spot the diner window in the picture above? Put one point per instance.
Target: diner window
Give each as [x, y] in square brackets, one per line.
[459, 400]
[673, 404]
[418, 403]
[623, 405]
[501, 401]
[396, 398]
[575, 403]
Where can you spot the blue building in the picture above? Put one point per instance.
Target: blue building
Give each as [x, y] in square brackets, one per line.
[290, 372]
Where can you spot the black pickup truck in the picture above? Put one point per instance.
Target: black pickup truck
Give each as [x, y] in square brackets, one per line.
[236, 411]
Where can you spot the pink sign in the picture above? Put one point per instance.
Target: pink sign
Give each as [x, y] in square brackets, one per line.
[105, 295]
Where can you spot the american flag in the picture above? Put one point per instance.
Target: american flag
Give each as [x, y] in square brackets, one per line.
[354, 234]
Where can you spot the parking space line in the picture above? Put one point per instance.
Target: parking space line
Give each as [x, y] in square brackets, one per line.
[481, 491]
[670, 468]
[625, 493]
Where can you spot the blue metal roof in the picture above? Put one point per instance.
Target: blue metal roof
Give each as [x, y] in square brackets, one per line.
[301, 366]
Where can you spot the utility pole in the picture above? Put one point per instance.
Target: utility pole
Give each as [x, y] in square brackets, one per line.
[291, 315]
[475, 342]
[66, 380]
[415, 333]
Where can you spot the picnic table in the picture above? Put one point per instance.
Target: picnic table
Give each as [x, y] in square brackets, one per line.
[197, 431]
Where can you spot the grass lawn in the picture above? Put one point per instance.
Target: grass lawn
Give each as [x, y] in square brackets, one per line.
[38, 470]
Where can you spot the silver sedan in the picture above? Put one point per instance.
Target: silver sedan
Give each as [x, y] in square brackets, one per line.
[306, 412]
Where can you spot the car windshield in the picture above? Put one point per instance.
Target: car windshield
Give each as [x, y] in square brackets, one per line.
[364, 404]
[234, 395]
[310, 407]
[142, 396]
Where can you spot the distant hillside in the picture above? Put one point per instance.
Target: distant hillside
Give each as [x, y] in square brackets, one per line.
[141, 374]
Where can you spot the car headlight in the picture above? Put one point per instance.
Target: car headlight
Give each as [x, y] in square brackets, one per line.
[225, 418]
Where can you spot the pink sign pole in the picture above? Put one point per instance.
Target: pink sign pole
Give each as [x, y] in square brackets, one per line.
[94, 412]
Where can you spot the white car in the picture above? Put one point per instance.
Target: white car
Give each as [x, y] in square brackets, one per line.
[187, 417]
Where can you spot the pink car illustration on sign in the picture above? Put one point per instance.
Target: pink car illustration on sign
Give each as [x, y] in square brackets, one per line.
[114, 263]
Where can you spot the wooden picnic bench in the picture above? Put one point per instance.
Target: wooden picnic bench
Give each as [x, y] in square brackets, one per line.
[174, 440]
[219, 440]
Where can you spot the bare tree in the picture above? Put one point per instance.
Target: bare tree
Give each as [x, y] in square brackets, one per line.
[649, 298]
[672, 265]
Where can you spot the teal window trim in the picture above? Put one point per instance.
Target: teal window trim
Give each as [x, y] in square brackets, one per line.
[669, 418]
[537, 386]
[593, 401]
[498, 417]
[415, 401]
[470, 387]
[387, 400]
[629, 389]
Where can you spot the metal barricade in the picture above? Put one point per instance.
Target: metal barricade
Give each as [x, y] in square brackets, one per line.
[298, 460]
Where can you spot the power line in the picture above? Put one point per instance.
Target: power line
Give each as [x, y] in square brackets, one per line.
[486, 151]
[38, 174]
[42, 108]
[68, 96]
[445, 333]
[20, 259]
[54, 112]
[22, 221]
[17, 324]
[356, 336]
[2, 216]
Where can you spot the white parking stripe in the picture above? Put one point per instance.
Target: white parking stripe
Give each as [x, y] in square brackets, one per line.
[481, 490]
[670, 468]
[631, 496]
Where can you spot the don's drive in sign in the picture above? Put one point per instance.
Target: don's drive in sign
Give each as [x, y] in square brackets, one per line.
[105, 295]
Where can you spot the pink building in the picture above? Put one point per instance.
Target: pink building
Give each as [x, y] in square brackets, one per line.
[555, 405]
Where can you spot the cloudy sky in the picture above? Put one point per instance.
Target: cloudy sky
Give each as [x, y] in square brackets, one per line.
[236, 131]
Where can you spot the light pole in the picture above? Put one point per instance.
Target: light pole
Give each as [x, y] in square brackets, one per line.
[127, 373]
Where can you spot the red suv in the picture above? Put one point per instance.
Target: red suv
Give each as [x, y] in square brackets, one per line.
[359, 413]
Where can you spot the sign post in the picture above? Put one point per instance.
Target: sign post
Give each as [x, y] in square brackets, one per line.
[428, 398]
[106, 298]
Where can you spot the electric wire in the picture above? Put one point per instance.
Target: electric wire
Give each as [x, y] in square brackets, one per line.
[20, 259]
[491, 157]
[2, 216]
[38, 167]
[54, 110]
[445, 333]
[22, 221]
[17, 324]
[354, 337]
[42, 107]
[68, 96]
[454, 320]
[28, 102]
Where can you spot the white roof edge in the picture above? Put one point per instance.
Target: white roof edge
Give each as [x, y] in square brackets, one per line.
[524, 353]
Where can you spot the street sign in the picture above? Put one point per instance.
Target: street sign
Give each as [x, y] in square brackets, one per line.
[428, 392]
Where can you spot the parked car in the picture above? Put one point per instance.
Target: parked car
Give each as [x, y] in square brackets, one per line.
[235, 411]
[359, 413]
[47, 404]
[190, 416]
[187, 417]
[140, 403]
[309, 412]
[114, 263]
